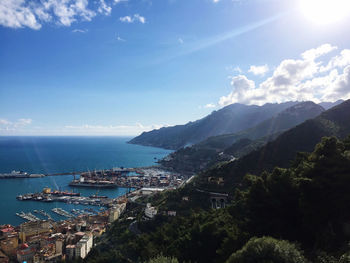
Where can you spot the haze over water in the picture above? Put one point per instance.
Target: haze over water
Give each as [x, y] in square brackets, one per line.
[62, 154]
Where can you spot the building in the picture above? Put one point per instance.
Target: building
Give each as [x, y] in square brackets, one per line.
[10, 244]
[150, 211]
[148, 191]
[171, 213]
[115, 212]
[218, 200]
[3, 258]
[36, 228]
[70, 252]
[113, 215]
[83, 247]
[25, 253]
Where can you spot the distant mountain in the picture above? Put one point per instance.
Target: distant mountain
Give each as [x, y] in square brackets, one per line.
[328, 105]
[230, 119]
[286, 119]
[217, 148]
[280, 152]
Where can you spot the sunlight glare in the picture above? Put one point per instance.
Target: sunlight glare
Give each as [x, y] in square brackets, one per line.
[324, 12]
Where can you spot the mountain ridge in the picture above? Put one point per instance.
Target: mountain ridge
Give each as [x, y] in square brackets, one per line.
[205, 153]
[280, 152]
[230, 119]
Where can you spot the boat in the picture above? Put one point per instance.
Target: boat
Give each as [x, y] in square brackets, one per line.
[64, 193]
[98, 196]
[95, 184]
[19, 174]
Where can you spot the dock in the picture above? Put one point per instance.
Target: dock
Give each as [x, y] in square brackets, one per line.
[62, 212]
[28, 216]
[70, 199]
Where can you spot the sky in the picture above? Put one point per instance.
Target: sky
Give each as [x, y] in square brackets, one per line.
[121, 67]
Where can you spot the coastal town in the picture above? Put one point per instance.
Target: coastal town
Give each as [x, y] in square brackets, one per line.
[41, 239]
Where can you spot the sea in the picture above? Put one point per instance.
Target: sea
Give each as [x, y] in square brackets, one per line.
[49, 155]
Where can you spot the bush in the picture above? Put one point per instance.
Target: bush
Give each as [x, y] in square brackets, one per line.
[163, 259]
[267, 250]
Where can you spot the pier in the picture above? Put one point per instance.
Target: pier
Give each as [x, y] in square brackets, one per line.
[62, 212]
[28, 216]
[66, 197]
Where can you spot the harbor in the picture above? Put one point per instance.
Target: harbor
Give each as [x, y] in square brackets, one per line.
[128, 178]
[66, 197]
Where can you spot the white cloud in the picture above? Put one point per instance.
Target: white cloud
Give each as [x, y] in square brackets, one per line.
[314, 53]
[259, 70]
[79, 30]
[120, 39]
[132, 19]
[210, 105]
[243, 90]
[24, 127]
[307, 78]
[16, 14]
[33, 14]
[180, 40]
[338, 61]
[87, 129]
[126, 19]
[233, 69]
[104, 8]
[12, 126]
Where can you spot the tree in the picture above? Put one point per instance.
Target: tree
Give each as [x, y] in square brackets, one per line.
[267, 250]
[163, 259]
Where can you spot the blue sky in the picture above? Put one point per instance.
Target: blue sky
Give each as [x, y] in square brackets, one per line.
[112, 67]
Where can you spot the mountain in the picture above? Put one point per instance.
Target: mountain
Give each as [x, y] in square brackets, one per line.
[287, 119]
[219, 148]
[230, 119]
[280, 152]
[328, 105]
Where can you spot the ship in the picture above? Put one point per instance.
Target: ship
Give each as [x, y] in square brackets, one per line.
[64, 193]
[82, 182]
[19, 174]
[95, 184]
[98, 196]
[47, 191]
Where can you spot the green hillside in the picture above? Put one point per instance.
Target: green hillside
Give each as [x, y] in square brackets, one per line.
[281, 151]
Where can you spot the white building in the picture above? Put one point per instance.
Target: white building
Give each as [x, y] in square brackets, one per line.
[83, 247]
[150, 211]
[116, 211]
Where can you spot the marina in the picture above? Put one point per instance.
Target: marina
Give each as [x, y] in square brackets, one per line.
[28, 216]
[66, 197]
[62, 212]
[43, 213]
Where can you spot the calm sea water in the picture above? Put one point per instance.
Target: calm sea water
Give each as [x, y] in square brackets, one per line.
[62, 154]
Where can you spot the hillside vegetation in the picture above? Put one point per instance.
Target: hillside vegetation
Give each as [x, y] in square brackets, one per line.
[298, 214]
[282, 150]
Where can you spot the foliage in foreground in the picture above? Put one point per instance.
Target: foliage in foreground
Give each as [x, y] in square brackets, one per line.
[266, 250]
[163, 259]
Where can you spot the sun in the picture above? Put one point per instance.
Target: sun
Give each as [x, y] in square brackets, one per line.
[325, 12]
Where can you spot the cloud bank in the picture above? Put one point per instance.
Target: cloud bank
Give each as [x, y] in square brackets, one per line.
[33, 14]
[8, 126]
[25, 127]
[306, 78]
